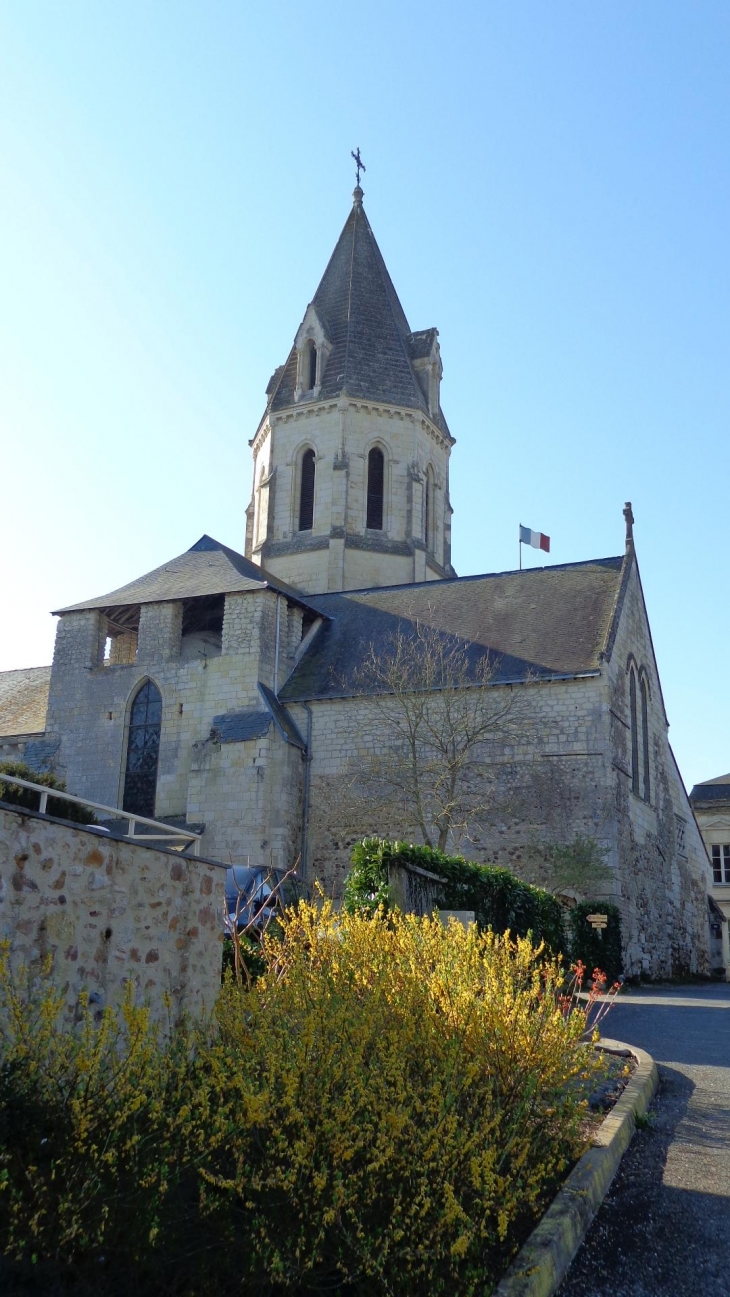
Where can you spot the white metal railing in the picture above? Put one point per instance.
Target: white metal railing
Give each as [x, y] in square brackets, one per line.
[170, 834]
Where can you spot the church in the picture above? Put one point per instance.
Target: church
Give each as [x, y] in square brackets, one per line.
[225, 691]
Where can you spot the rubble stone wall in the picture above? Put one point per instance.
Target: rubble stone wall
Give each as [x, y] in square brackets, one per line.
[106, 912]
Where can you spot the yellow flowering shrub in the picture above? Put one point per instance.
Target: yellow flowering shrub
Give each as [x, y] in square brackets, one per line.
[388, 1107]
[406, 1098]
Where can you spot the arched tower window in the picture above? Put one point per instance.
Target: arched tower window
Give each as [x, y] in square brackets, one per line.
[143, 748]
[645, 737]
[634, 733]
[311, 369]
[429, 510]
[376, 482]
[259, 504]
[306, 492]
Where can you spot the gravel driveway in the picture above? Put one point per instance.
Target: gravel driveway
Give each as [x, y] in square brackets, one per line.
[664, 1228]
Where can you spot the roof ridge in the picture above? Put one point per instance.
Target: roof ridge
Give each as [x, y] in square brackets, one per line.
[471, 576]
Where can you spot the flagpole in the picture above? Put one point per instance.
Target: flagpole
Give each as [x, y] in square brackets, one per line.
[520, 553]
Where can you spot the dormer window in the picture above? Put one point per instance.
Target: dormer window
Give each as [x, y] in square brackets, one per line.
[311, 366]
[312, 350]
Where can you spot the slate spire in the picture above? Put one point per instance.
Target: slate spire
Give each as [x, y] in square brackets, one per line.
[372, 346]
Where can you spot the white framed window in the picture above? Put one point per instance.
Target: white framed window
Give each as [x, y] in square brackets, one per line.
[721, 863]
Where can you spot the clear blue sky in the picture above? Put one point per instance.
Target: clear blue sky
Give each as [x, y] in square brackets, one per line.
[549, 185]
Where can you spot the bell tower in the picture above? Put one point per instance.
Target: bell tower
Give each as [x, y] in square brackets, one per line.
[351, 458]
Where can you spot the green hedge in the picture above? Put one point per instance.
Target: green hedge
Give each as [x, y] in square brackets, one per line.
[499, 900]
[29, 800]
[597, 949]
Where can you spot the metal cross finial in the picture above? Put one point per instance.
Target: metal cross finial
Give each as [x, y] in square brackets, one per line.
[360, 165]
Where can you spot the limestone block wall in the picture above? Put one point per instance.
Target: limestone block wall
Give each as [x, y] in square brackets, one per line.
[250, 796]
[12, 747]
[548, 781]
[663, 868]
[106, 912]
[160, 632]
[90, 701]
[342, 433]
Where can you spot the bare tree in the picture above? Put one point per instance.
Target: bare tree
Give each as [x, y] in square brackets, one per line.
[441, 714]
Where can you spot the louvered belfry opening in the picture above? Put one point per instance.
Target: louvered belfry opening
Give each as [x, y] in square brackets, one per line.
[376, 477]
[306, 493]
[143, 749]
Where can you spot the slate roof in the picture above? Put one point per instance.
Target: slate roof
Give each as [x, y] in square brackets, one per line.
[711, 792]
[371, 339]
[420, 343]
[544, 623]
[240, 727]
[24, 700]
[207, 568]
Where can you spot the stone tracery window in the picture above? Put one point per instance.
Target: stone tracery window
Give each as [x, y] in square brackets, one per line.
[639, 717]
[306, 491]
[645, 737]
[143, 748]
[376, 489]
[634, 732]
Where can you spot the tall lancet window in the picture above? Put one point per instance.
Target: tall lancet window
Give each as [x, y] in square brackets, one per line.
[645, 737]
[143, 748]
[376, 482]
[634, 733]
[306, 492]
[429, 510]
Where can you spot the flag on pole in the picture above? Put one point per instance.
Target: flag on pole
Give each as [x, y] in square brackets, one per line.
[537, 539]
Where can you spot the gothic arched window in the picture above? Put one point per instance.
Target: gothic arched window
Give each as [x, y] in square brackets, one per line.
[634, 732]
[306, 492]
[645, 736]
[376, 484]
[143, 748]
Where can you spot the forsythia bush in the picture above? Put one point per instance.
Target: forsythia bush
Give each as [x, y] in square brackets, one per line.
[388, 1109]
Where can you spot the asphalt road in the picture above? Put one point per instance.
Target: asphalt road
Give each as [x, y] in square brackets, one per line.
[664, 1227]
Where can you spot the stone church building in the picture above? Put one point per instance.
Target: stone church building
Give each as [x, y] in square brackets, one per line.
[225, 691]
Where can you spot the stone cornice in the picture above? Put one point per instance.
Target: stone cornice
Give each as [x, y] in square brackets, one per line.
[313, 408]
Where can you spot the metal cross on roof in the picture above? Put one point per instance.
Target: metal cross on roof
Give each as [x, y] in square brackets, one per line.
[360, 165]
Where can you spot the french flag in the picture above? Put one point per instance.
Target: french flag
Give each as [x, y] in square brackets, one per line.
[537, 539]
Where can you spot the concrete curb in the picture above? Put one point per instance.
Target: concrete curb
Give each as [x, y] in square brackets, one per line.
[542, 1263]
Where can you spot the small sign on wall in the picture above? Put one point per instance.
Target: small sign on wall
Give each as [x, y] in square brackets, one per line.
[597, 921]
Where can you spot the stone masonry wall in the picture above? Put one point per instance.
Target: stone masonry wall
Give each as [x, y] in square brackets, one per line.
[89, 701]
[250, 796]
[106, 912]
[663, 887]
[547, 782]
